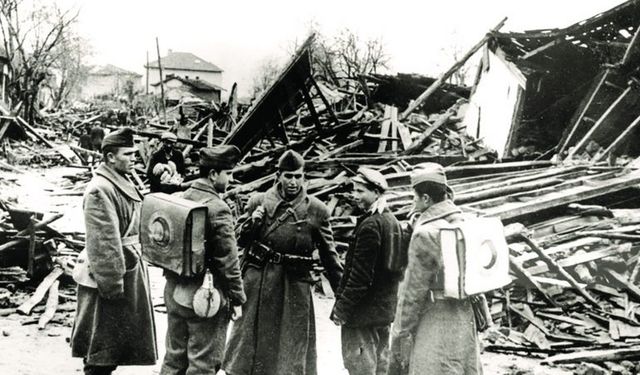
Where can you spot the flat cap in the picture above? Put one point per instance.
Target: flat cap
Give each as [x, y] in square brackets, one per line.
[290, 161]
[368, 176]
[119, 138]
[219, 157]
[168, 136]
[432, 172]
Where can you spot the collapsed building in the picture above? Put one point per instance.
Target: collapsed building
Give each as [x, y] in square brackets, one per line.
[561, 91]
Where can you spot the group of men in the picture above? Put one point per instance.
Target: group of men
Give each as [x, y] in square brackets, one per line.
[284, 232]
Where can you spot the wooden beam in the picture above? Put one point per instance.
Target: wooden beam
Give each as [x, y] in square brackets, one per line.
[523, 273]
[594, 189]
[310, 106]
[561, 271]
[604, 355]
[40, 292]
[51, 306]
[384, 129]
[582, 258]
[584, 110]
[598, 124]
[614, 145]
[325, 101]
[437, 83]
[33, 131]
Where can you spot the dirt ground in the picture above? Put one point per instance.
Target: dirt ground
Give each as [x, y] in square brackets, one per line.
[25, 350]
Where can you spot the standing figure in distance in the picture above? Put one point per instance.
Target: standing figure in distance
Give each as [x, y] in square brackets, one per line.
[114, 318]
[276, 334]
[166, 167]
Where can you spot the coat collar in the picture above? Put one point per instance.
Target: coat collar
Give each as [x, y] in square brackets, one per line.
[203, 184]
[273, 200]
[439, 210]
[119, 181]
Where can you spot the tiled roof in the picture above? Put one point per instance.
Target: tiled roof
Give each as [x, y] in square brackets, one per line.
[185, 61]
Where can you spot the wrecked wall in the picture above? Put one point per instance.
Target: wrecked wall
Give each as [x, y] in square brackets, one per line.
[495, 102]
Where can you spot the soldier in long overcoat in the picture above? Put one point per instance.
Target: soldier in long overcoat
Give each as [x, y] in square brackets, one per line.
[195, 345]
[432, 334]
[276, 334]
[114, 318]
[367, 297]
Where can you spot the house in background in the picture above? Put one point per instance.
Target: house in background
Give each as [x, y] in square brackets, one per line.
[176, 88]
[186, 66]
[110, 80]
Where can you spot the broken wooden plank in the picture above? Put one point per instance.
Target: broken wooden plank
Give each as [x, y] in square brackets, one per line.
[582, 258]
[384, 129]
[437, 83]
[560, 270]
[38, 225]
[602, 355]
[40, 292]
[51, 307]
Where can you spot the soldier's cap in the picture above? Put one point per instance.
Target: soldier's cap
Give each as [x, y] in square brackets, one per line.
[119, 138]
[222, 157]
[290, 161]
[432, 172]
[371, 177]
[168, 137]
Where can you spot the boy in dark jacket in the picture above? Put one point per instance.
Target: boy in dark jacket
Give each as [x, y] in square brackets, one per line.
[367, 296]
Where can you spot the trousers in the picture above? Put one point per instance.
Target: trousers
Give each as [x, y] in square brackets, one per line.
[194, 345]
[365, 350]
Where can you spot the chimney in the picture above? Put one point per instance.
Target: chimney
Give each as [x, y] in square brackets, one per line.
[169, 51]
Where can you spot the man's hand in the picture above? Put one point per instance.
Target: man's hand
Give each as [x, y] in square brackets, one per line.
[236, 312]
[336, 319]
[258, 214]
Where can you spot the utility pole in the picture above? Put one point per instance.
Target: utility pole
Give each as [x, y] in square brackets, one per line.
[164, 110]
[147, 66]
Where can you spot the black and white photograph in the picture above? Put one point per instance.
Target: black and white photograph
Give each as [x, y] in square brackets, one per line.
[299, 187]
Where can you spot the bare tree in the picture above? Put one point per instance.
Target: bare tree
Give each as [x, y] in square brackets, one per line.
[347, 56]
[31, 31]
[70, 67]
[267, 73]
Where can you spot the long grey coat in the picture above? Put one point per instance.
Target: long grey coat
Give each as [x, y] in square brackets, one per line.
[114, 323]
[276, 334]
[443, 332]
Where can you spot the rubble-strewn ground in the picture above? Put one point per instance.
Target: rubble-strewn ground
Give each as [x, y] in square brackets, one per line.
[29, 351]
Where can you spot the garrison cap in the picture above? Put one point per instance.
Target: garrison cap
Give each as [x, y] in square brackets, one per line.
[219, 157]
[371, 177]
[119, 138]
[290, 161]
[168, 136]
[432, 172]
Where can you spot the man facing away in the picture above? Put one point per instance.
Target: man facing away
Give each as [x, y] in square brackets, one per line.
[432, 334]
[195, 345]
[114, 318]
[366, 300]
[276, 333]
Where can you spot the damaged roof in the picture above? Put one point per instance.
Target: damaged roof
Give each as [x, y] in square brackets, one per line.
[197, 84]
[608, 32]
[185, 61]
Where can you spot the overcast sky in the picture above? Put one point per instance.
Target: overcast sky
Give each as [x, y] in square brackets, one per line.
[238, 35]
